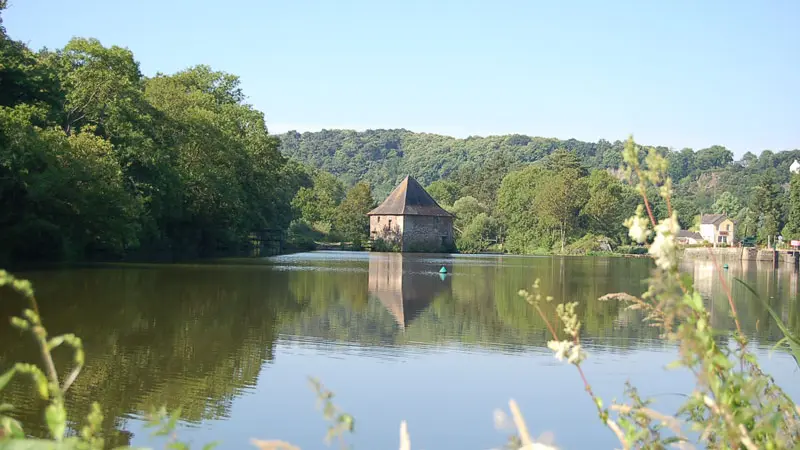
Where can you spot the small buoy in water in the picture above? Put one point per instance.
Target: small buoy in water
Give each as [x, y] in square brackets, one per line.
[442, 270]
[724, 266]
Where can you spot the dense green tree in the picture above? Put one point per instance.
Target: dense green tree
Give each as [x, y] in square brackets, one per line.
[681, 164]
[445, 192]
[318, 202]
[478, 235]
[98, 85]
[766, 205]
[466, 209]
[517, 203]
[482, 180]
[61, 194]
[792, 228]
[564, 160]
[609, 204]
[727, 204]
[714, 157]
[351, 218]
[561, 198]
[748, 159]
[746, 222]
[687, 212]
[97, 161]
[228, 167]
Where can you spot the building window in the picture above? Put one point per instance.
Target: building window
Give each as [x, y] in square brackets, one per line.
[728, 227]
[390, 224]
[722, 239]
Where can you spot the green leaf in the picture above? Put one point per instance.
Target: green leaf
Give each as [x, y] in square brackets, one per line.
[56, 417]
[694, 301]
[674, 364]
[211, 445]
[6, 377]
[41, 383]
[783, 340]
[55, 342]
[20, 323]
[12, 427]
[178, 446]
[40, 444]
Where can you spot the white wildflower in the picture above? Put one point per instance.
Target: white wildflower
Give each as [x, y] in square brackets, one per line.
[576, 354]
[560, 347]
[637, 229]
[666, 189]
[664, 247]
[637, 226]
[566, 312]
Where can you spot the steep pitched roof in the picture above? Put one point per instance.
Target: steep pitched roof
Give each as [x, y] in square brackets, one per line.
[714, 219]
[690, 234]
[409, 198]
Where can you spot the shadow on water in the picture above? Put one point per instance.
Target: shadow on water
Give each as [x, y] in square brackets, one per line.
[199, 336]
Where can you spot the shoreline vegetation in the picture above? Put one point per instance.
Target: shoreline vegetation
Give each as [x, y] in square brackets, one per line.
[99, 162]
[732, 405]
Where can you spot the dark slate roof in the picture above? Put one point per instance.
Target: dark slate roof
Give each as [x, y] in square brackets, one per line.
[690, 234]
[713, 218]
[409, 198]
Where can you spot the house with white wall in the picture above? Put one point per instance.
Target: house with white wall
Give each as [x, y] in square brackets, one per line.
[717, 229]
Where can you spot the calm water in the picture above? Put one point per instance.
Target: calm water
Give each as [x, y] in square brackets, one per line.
[234, 343]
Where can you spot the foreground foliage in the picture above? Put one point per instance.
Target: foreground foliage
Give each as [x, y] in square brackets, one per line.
[734, 404]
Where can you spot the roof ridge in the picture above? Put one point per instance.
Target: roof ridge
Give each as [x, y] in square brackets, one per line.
[410, 198]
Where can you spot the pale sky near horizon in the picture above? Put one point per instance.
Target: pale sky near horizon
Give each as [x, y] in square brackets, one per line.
[678, 73]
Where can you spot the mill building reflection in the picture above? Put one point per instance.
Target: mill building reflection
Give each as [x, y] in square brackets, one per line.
[405, 284]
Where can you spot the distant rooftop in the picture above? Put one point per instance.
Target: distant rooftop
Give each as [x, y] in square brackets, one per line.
[714, 219]
[690, 234]
[409, 198]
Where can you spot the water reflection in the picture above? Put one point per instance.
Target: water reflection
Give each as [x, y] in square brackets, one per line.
[779, 287]
[181, 337]
[405, 285]
[203, 337]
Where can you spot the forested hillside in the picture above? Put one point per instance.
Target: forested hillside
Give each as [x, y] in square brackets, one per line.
[383, 157]
[754, 190]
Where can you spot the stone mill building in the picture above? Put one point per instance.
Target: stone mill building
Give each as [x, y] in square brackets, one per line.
[411, 220]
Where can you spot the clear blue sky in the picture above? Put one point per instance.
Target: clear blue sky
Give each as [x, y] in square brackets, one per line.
[676, 73]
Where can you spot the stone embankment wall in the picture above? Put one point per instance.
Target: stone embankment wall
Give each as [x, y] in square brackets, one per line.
[721, 254]
[736, 254]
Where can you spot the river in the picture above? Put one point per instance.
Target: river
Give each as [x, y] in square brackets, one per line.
[233, 343]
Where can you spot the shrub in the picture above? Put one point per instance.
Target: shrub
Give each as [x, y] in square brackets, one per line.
[302, 236]
[590, 244]
[632, 250]
[383, 245]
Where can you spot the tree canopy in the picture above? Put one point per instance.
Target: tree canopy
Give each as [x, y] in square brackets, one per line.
[97, 159]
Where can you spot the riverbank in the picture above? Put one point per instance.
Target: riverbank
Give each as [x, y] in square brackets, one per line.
[736, 254]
